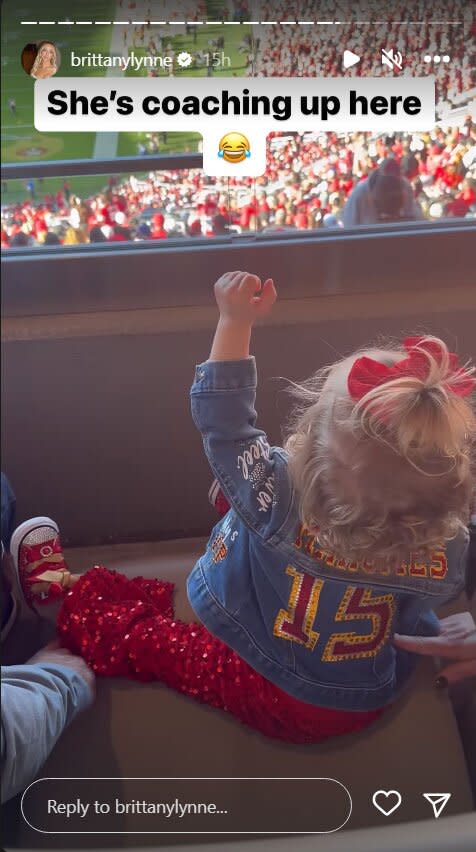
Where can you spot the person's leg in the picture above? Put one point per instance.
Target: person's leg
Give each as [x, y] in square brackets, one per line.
[7, 601]
[124, 631]
[8, 511]
[8, 604]
[44, 577]
[42, 573]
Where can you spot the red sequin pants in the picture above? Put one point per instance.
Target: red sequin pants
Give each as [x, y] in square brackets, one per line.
[126, 628]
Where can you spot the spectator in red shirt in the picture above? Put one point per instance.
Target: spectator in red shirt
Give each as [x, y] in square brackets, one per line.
[158, 232]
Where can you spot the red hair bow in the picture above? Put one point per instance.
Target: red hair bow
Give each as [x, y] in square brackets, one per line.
[367, 374]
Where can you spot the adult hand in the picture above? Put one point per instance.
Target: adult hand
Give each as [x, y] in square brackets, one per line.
[55, 654]
[456, 641]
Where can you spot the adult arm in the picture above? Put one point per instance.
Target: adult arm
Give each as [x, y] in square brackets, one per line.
[456, 642]
[39, 700]
[411, 208]
[357, 208]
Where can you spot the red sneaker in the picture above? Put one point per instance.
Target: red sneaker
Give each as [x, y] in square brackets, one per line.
[218, 499]
[41, 569]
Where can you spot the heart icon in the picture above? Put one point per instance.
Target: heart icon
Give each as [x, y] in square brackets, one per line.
[387, 801]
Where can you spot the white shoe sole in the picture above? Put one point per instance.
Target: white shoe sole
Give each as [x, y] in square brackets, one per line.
[21, 533]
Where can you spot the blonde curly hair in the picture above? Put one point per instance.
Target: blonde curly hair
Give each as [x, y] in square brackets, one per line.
[389, 475]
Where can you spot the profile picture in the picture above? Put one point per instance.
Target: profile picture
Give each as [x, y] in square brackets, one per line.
[41, 59]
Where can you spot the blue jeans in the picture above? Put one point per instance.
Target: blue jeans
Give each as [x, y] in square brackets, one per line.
[8, 511]
[8, 523]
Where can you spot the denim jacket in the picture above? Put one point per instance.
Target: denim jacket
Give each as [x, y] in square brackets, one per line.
[316, 625]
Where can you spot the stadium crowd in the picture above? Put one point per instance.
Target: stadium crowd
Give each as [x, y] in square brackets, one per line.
[316, 52]
[309, 177]
[307, 184]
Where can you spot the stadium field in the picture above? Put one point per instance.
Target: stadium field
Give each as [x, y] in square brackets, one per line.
[22, 143]
[201, 43]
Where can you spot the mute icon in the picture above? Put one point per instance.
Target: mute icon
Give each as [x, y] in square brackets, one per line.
[393, 59]
[438, 801]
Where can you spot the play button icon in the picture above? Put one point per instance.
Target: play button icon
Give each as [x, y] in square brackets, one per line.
[350, 59]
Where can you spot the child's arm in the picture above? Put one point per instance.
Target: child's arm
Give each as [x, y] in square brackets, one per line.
[241, 299]
[252, 474]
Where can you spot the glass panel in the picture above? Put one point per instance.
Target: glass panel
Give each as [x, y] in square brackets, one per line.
[116, 208]
[306, 187]
[313, 180]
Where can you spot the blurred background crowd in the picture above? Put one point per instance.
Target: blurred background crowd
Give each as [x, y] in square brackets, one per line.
[307, 185]
[317, 52]
[312, 180]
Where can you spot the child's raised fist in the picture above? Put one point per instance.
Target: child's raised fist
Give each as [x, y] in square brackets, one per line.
[242, 296]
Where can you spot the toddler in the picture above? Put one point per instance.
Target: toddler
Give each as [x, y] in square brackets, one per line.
[352, 533]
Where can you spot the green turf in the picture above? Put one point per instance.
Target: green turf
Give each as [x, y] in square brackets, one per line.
[83, 186]
[128, 142]
[20, 141]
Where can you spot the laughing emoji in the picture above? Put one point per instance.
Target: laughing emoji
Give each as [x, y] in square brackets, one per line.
[234, 147]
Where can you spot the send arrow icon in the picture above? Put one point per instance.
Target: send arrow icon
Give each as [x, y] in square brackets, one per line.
[438, 801]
